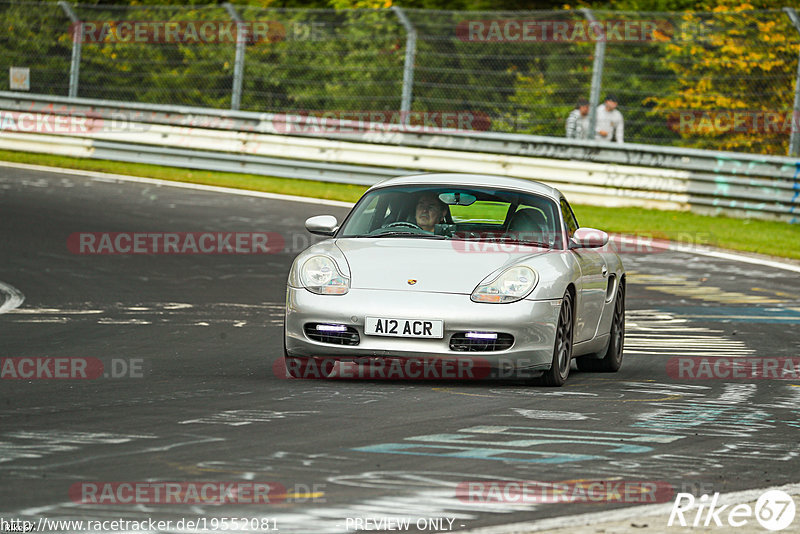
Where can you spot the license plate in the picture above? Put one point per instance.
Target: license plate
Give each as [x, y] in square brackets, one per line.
[419, 328]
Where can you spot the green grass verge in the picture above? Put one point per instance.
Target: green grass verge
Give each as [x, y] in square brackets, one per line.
[749, 235]
[764, 237]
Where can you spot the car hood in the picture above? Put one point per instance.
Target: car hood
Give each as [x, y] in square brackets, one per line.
[438, 266]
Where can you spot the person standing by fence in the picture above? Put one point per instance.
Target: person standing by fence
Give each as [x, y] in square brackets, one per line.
[578, 121]
[610, 125]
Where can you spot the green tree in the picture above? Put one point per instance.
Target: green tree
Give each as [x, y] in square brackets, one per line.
[733, 59]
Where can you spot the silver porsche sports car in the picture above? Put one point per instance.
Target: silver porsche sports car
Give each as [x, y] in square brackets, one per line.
[469, 271]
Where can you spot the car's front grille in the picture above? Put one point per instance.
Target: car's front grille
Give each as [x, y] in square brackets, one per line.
[336, 334]
[480, 341]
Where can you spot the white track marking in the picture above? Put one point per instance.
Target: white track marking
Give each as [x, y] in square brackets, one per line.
[547, 414]
[14, 300]
[104, 176]
[657, 333]
[678, 247]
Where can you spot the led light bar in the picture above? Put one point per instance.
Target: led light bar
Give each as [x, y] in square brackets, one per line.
[480, 335]
[331, 328]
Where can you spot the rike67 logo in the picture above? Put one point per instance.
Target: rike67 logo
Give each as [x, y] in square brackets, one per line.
[774, 510]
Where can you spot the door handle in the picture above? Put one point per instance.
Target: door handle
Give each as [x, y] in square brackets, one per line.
[605, 271]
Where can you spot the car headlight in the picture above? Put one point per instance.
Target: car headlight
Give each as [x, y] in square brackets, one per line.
[319, 274]
[511, 285]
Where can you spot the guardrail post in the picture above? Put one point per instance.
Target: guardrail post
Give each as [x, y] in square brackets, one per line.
[597, 75]
[77, 37]
[794, 140]
[238, 61]
[408, 65]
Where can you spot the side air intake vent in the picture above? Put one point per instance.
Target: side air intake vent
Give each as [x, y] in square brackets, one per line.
[335, 334]
[480, 341]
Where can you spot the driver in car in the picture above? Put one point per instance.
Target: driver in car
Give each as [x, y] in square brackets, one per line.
[430, 211]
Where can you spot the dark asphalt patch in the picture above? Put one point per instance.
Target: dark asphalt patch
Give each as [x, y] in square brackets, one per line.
[208, 330]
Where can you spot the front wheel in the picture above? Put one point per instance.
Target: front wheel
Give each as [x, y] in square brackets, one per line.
[562, 350]
[611, 361]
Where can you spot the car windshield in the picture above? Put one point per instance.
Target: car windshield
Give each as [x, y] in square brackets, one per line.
[448, 212]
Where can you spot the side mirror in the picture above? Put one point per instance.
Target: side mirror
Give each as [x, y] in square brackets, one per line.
[589, 238]
[322, 225]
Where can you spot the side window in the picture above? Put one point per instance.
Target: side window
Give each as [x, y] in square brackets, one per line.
[546, 227]
[569, 217]
[365, 219]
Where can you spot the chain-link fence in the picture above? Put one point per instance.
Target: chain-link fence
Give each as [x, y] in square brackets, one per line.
[723, 80]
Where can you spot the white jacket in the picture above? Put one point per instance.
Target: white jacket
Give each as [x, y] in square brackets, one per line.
[610, 122]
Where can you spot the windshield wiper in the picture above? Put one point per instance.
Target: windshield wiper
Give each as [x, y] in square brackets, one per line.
[406, 234]
[508, 239]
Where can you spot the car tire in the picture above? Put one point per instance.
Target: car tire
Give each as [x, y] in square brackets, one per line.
[611, 360]
[557, 375]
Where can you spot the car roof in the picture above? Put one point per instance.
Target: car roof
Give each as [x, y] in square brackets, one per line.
[477, 180]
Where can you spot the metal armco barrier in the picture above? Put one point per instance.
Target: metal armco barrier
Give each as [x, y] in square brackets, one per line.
[740, 185]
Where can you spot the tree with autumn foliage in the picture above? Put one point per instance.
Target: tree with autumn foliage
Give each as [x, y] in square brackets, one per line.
[734, 79]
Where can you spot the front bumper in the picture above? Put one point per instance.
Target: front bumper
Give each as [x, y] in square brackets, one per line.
[531, 322]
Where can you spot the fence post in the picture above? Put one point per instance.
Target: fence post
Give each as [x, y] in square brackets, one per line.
[408, 65]
[238, 61]
[794, 139]
[77, 37]
[597, 75]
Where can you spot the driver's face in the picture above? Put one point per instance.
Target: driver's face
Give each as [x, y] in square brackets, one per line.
[429, 212]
